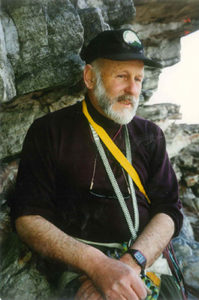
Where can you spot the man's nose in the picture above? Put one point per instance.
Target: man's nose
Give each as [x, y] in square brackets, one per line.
[132, 88]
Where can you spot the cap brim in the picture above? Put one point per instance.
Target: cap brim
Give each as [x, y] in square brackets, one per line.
[133, 56]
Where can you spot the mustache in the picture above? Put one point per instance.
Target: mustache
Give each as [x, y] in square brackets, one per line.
[130, 98]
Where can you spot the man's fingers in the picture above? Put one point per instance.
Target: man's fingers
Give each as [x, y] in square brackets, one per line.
[140, 289]
[85, 285]
[89, 294]
[126, 292]
[95, 296]
[88, 291]
[118, 296]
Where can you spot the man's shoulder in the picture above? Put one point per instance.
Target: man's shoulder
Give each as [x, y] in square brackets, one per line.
[145, 124]
[145, 131]
[66, 114]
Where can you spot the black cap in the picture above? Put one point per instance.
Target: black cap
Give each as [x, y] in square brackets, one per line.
[122, 44]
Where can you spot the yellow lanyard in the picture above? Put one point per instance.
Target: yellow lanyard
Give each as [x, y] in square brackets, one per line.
[119, 156]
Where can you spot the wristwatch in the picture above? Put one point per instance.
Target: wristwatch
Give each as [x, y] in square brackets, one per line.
[138, 257]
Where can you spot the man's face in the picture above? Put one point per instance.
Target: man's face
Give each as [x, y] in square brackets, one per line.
[117, 88]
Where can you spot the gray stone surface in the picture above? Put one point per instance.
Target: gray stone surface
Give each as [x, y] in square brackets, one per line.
[7, 76]
[187, 253]
[157, 112]
[50, 36]
[165, 11]
[178, 138]
[111, 10]
[20, 278]
[14, 125]
[94, 25]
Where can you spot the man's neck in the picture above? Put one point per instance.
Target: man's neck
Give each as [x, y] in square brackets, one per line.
[93, 100]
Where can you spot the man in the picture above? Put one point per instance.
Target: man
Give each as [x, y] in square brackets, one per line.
[75, 202]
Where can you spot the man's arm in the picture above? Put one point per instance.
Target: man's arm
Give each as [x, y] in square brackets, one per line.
[51, 242]
[113, 278]
[153, 240]
[151, 243]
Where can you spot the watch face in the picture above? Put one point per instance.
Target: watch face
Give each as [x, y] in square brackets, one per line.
[140, 258]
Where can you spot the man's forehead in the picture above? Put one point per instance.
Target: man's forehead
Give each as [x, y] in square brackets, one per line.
[114, 65]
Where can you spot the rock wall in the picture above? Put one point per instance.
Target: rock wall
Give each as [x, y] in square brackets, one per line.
[40, 71]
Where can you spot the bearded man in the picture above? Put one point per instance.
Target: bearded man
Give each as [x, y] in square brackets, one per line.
[95, 188]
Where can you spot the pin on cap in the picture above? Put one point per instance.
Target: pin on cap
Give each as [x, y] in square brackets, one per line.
[131, 39]
[122, 44]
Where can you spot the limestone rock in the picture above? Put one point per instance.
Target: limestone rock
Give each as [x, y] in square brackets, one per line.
[188, 256]
[157, 112]
[179, 137]
[188, 198]
[7, 76]
[94, 25]
[50, 36]
[187, 253]
[192, 180]
[20, 278]
[14, 126]
[111, 10]
[164, 11]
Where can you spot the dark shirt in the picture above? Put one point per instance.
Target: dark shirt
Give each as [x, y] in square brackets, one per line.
[58, 163]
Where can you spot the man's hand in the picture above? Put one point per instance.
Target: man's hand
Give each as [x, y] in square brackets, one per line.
[113, 279]
[88, 291]
[116, 280]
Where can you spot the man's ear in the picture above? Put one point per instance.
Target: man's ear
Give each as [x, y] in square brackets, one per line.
[89, 77]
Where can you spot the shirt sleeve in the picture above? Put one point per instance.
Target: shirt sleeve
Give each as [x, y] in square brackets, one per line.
[35, 185]
[163, 185]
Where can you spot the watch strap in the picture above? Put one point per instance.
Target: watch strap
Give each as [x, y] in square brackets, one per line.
[139, 257]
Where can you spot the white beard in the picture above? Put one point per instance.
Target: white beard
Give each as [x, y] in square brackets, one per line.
[125, 115]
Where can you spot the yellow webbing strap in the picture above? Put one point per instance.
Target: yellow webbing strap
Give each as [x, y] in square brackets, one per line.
[156, 280]
[115, 150]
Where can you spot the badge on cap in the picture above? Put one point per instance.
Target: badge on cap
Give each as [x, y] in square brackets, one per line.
[131, 39]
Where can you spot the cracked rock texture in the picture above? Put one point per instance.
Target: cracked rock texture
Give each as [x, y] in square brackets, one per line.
[41, 71]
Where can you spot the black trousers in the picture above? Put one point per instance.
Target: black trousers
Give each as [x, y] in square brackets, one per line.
[169, 289]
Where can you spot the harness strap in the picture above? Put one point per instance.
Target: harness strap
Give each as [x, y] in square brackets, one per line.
[133, 228]
[115, 151]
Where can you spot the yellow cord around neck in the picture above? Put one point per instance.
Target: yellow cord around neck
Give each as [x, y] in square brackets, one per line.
[119, 156]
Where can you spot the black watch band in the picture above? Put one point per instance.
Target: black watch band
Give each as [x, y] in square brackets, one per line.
[138, 257]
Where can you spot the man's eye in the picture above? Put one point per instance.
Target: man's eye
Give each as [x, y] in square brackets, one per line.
[121, 75]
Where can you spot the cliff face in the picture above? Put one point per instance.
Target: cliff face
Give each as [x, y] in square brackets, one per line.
[40, 71]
